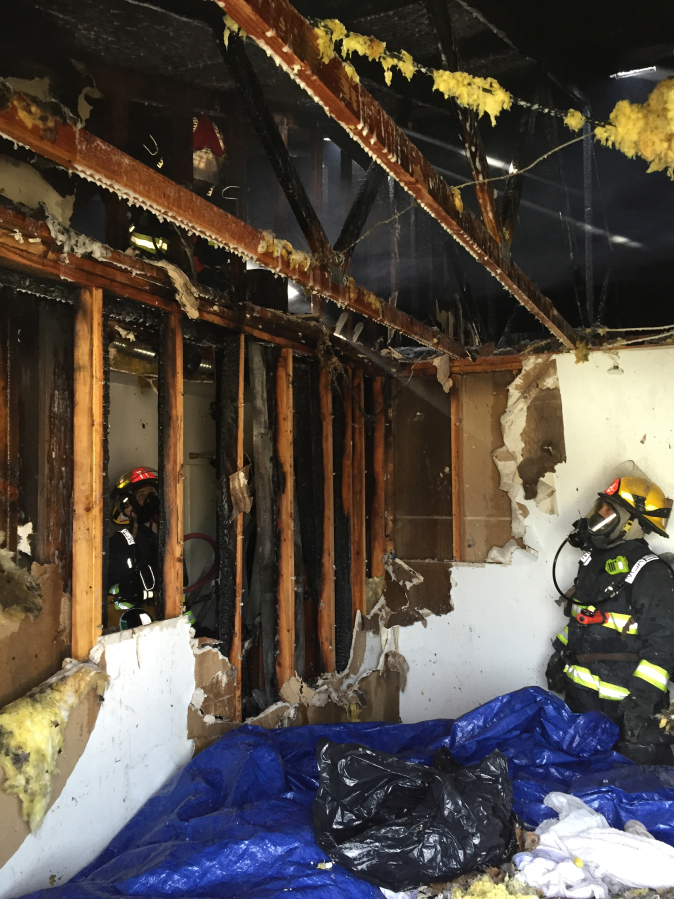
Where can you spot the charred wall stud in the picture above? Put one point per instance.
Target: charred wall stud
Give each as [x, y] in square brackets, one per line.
[343, 486]
[229, 451]
[326, 608]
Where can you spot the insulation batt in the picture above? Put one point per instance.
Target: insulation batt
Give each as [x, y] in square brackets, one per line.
[582, 857]
[32, 732]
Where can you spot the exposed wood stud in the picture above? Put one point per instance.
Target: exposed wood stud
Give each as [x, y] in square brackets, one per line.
[342, 491]
[456, 412]
[285, 661]
[78, 151]
[88, 501]
[285, 35]
[171, 463]
[358, 542]
[262, 363]
[229, 443]
[326, 608]
[389, 504]
[377, 511]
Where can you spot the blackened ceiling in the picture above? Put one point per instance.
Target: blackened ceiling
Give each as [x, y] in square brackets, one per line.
[560, 54]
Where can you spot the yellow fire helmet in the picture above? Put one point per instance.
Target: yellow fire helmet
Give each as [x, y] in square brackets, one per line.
[643, 499]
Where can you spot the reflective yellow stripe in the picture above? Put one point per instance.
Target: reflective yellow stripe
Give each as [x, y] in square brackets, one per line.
[582, 676]
[652, 674]
[563, 636]
[612, 691]
[616, 620]
[585, 678]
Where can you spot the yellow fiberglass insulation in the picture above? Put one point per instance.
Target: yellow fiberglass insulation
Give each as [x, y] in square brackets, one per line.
[19, 592]
[574, 120]
[644, 129]
[485, 888]
[480, 94]
[365, 46]
[31, 734]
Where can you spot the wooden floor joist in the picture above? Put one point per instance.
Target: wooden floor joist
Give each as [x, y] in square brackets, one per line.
[293, 44]
[87, 575]
[81, 152]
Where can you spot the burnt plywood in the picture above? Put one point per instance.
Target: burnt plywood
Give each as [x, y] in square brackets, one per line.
[485, 507]
[422, 482]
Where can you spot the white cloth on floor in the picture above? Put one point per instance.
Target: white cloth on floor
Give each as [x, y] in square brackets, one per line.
[581, 857]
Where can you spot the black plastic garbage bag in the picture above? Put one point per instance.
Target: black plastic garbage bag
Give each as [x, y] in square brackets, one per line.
[399, 825]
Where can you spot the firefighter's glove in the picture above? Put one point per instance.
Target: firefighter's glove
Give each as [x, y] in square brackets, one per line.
[637, 711]
[554, 673]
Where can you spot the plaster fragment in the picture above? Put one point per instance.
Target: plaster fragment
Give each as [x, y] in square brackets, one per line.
[19, 591]
[442, 369]
[242, 501]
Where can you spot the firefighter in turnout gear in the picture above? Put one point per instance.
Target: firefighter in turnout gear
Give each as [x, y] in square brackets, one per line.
[617, 653]
[133, 552]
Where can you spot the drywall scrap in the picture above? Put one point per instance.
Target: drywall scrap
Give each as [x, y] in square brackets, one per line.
[533, 444]
[211, 711]
[414, 593]
[21, 183]
[32, 732]
[19, 591]
[242, 501]
[367, 689]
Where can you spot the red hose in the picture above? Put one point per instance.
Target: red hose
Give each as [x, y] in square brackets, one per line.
[214, 567]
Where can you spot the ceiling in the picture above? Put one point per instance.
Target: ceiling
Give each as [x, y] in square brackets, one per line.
[561, 55]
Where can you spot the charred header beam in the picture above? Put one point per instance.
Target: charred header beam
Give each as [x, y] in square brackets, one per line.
[79, 151]
[291, 41]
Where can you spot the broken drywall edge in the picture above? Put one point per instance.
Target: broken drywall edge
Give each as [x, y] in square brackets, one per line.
[197, 699]
[442, 370]
[401, 572]
[32, 732]
[186, 293]
[23, 184]
[179, 623]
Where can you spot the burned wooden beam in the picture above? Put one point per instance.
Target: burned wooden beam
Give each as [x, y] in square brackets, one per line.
[263, 361]
[441, 22]
[342, 407]
[326, 609]
[291, 41]
[359, 211]
[229, 460]
[81, 152]
[378, 506]
[243, 73]
[88, 501]
[285, 661]
[170, 401]
[358, 542]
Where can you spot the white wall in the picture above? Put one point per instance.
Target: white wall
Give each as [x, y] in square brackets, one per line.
[498, 637]
[139, 741]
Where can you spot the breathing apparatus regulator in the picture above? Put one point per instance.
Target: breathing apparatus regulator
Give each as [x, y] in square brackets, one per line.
[628, 509]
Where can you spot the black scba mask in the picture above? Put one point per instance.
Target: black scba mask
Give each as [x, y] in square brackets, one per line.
[149, 510]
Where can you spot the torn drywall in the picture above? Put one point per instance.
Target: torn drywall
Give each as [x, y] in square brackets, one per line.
[533, 445]
[242, 501]
[212, 708]
[442, 369]
[21, 183]
[414, 593]
[31, 735]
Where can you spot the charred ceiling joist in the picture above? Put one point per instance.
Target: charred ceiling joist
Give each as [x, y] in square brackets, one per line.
[292, 43]
[81, 152]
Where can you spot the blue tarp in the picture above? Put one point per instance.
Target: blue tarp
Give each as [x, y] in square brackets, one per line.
[237, 821]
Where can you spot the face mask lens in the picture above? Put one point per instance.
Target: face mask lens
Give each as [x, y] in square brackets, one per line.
[602, 518]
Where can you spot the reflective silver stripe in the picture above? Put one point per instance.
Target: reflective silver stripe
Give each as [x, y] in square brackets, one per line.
[618, 620]
[582, 676]
[128, 536]
[612, 691]
[639, 565]
[652, 674]
[585, 558]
